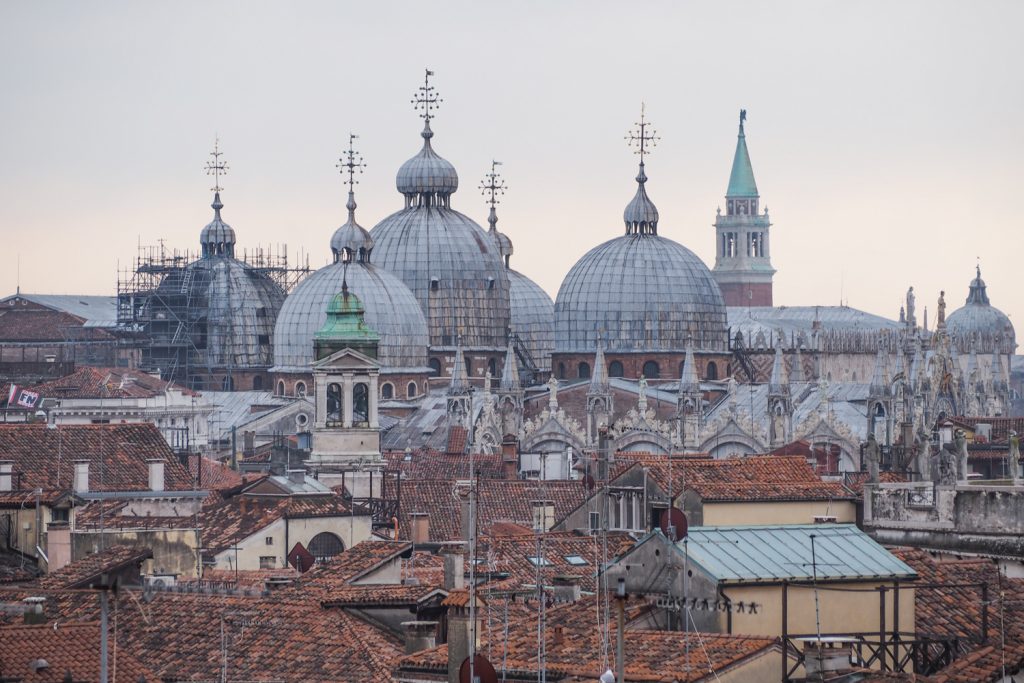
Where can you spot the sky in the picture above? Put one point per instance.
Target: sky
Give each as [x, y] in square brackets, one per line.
[885, 136]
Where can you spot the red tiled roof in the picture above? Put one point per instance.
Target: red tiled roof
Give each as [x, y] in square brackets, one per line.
[212, 474]
[498, 500]
[380, 595]
[855, 480]
[69, 649]
[436, 465]
[770, 491]
[117, 454]
[92, 382]
[84, 572]
[1001, 426]
[354, 563]
[456, 440]
[41, 325]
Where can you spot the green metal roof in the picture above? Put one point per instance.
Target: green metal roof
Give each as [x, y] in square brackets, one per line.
[759, 554]
[741, 180]
[345, 320]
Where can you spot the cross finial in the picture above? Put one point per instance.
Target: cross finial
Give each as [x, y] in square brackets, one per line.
[426, 98]
[216, 167]
[351, 162]
[493, 185]
[643, 136]
[743, 116]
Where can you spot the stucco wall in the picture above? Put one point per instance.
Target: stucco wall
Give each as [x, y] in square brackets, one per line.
[801, 512]
[174, 550]
[284, 534]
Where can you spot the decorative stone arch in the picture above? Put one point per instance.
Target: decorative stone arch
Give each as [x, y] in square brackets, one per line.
[546, 440]
[644, 442]
[387, 391]
[731, 439]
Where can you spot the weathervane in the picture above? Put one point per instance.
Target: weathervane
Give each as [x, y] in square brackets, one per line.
[351, 162]
[426, 99]
[493, 184]
[216, 167]
[639, 137]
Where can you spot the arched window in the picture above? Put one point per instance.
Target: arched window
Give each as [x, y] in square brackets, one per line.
[387, 391]
[334, 404]
[712, 371]
[300, 389]
[411, 390]
[583, 371]
[435, 367]
[325, 546]
[229, 383]
[561, 371]
[615, 369]
[651, 370]
[280, 388]
[492, 367]
[257, 383]
[360, 404]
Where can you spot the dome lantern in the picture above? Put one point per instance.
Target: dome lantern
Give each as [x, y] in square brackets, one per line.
[427, 179]
[217, 237]
[351, 242]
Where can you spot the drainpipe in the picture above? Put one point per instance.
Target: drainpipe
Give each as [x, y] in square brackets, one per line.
[728, 611]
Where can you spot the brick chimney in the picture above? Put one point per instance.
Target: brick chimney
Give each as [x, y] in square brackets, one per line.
[156, 474]
[454, 567]
[419, 635]
[459, 630]
[81, 482]
[58, 545]
[419, 528]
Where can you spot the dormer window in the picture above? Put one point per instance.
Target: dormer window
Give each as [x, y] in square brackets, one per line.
[435, 284]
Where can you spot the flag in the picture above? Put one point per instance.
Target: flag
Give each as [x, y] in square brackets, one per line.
[28, 399]
[12, 393]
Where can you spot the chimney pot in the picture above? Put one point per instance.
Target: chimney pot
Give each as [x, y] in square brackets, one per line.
[559, 635]
[419, 635]
[454, 567]
[297, 476]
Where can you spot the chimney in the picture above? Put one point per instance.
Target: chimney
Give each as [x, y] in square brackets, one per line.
[58, 545]
[454, 567]
[565, 588]
[419, 635]
[81, 482]
[543, 514]
[156, 475]
[558, 636]
[459, 631]
[34, 613]
[297, 476]
[419, 528]
[6, 475]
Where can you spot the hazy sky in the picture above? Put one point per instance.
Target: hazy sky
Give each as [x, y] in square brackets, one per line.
[885, 136]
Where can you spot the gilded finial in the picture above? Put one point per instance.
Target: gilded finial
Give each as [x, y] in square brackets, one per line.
[640, 137]
[426, 99]
[216, 167]
[351, 162]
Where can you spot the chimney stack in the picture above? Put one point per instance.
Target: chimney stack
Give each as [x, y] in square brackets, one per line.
[419, 528]
[156, 475]
[6, 475]
[34, 613]
[454, 567]
[297, 476]
[419, 635]
[565, 588]
[81, 482]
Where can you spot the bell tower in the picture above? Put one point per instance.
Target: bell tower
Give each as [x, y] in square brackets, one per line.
[743, 267]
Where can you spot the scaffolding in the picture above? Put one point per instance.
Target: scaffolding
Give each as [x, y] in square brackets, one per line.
[185, 316]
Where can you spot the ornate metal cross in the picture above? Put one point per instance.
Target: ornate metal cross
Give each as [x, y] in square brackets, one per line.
[493, 184]
[640, 137]
[351, 162]
[426, 98]
[216, 167]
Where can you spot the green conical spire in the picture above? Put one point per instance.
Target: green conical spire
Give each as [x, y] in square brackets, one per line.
[741, 180]
[345, 327]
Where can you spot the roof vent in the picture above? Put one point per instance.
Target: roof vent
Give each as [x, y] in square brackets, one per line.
[826, 519]
[38, 664]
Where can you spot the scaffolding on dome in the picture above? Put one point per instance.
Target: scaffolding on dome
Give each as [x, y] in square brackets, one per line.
[184, 319]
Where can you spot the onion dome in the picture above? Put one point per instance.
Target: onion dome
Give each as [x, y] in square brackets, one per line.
[445, 258]
[533, 317]
[217, 238]
[979, 323]
[647, 292]
[427, 178]
[351, 241]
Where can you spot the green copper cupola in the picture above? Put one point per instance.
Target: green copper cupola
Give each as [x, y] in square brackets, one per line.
[741, 180]
[345, 328]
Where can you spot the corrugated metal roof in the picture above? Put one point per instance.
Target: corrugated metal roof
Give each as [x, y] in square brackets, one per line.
[751, 554]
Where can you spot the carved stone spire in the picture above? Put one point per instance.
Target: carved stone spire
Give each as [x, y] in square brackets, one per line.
[510, 373]
[778, 384]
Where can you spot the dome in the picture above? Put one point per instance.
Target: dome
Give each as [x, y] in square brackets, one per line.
[979, 325]
[648, 293]
[391, 310]
[533, 317]
[233, 307]
[351, 241]
[217, 238]
[427, 174]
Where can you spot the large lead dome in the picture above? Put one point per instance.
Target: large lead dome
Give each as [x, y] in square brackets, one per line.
[980, 325]
[445, 258]
[644, 292]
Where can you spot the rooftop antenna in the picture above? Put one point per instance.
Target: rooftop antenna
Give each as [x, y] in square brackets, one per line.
[215, 166]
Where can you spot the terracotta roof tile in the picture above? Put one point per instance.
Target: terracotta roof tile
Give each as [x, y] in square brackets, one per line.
[82, 573]
[426, 464]
[93, 382]
[65, 647]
